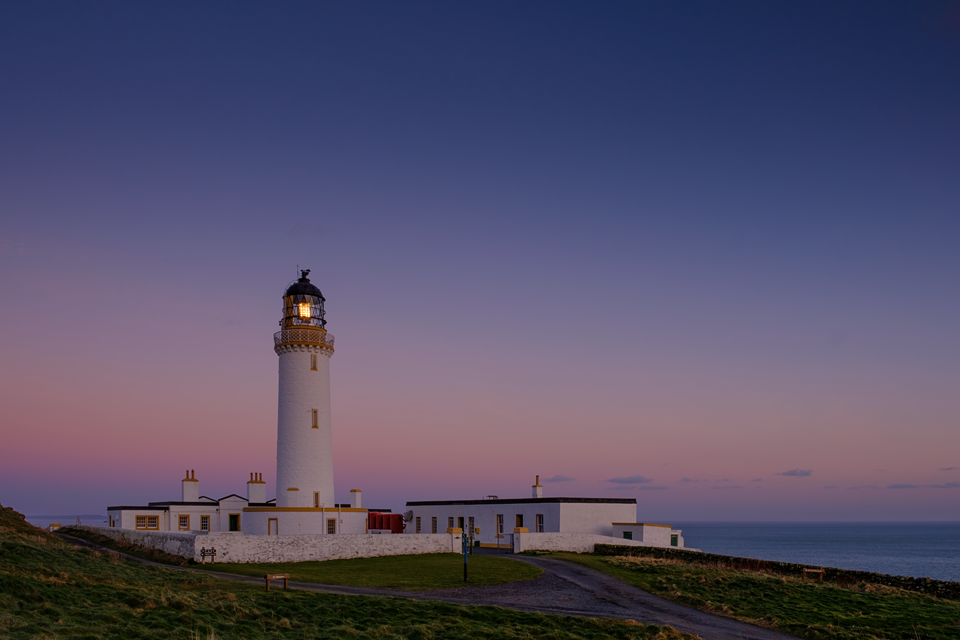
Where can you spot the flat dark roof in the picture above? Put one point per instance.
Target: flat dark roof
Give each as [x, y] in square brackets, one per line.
[202, 503]
[150, 508]
[431, 503]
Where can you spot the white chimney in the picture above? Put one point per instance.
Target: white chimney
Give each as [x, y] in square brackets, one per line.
[256, 488]
[191, 488]
[537, 489]
[355, 498]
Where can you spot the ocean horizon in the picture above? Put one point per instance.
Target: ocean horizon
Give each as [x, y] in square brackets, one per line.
[917, 549]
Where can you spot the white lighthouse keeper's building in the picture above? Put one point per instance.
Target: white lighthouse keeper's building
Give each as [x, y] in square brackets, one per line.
[305, 499]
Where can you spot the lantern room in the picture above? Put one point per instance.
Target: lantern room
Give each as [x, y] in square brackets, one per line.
[303, 305]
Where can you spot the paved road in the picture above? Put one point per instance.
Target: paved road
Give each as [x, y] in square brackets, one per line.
[564, 589]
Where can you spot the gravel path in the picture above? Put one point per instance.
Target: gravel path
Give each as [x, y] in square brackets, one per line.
[564, 589]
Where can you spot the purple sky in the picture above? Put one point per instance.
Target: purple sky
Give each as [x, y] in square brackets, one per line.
[701, 254]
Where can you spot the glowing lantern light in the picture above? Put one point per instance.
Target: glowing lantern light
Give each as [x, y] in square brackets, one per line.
[304, 309]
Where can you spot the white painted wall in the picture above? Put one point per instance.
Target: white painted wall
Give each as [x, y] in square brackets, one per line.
[655, 534]
[304, 454]
[311, 522]
[594, 517]
[560, 517]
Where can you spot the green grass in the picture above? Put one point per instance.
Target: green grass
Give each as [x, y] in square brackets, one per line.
[410, 573]
[804, 609]
[49, 589]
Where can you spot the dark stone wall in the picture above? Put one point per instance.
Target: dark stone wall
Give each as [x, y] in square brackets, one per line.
[841, 577]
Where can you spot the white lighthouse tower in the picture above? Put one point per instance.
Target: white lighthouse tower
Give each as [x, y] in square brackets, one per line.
[304, 438]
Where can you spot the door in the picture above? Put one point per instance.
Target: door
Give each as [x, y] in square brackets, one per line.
[272, 527]
[234, 522]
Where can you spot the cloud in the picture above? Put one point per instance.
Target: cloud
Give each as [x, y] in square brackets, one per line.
[693, 480]
[949, 468]
[757, 480]
[865, 486]
[630, 480]
[947, 485]
[650, 488]
[903, 486]
[727, 486]
[559, 478]
[800, 473]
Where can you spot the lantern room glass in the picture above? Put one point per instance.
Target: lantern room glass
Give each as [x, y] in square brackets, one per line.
[303, 311]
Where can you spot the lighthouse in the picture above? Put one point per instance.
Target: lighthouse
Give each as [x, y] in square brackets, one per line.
[304, 438]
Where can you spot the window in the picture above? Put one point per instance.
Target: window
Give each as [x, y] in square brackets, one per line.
[315, 417]
[470, 522]
[433, 524]
[184, 522]
[234, 522]
[628, 535]
[418, 524]
[673, 540]
[272, 527]
[450, 522]
[313, 362]
[316, 499]
[331, 525]
[460, 522]
[500, 523]
[539, 523]
[148, 522]
[204, 523]
[519, 520]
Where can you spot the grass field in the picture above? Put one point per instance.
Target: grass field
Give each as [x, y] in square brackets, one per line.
[49, 589]
[411, 573]
[804, 609]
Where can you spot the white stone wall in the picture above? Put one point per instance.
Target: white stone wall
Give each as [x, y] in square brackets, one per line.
[575, 542]
[238, 547]
[178, 544]
[248, 549]
[304, 454]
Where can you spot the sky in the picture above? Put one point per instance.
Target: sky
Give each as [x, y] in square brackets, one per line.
[701, 254]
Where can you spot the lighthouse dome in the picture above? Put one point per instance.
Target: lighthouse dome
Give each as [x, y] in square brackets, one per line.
[303, 304]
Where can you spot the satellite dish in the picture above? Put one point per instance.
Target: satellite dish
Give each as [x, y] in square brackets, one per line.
[408, 516]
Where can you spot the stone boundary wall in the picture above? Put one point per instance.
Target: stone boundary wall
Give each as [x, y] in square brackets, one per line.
[254, 549]
[842, 577]
[575, 542]
[173, 542]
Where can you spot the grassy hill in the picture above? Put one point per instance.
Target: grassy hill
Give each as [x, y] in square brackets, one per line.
[49, 589]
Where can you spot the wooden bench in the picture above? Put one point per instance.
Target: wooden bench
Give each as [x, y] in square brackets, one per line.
[816, 572]
[277, 576]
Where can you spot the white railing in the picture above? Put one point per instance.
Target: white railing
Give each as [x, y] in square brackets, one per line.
[303, 336]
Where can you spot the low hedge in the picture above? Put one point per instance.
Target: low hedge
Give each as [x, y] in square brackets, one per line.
[842, 577]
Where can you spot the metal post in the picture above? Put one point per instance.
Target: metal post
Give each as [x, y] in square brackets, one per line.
[464, 537]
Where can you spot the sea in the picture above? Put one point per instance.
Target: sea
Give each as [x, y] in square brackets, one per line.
[918, 549]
